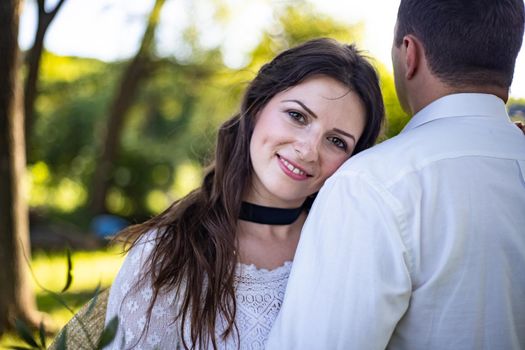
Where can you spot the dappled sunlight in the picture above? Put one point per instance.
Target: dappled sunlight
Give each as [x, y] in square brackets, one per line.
[192, 79]
[161, 174]
[64, 196]
[89, 269]
[156, 201]
[169, 130]
[68, 68]
[38, 177]
[118, 203]
[171, 109]
[40, 173]
[69, 195]
[188, 176]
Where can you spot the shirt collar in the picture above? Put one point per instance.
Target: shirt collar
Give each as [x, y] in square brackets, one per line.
[459, 105]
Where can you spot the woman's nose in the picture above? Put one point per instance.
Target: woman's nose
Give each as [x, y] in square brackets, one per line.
[308, 149]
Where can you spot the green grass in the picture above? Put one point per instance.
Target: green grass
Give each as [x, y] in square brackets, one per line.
[89, 270]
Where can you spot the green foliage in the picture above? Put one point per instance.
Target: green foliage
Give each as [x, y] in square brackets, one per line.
[516, 101]
[26, 335]
[62, 340]
[172, 123]
[93, 301]
[38, 341]
[168, 137]
[42, 334]
[109, 333]
[396, 118]
[68, 110]
[297, 23]
[69, 277]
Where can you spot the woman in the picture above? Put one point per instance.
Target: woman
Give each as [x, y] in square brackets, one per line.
[211, 271]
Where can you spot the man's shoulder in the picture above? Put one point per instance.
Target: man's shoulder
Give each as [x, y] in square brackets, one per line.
[386, 158]
[386, 149]
[442, 140]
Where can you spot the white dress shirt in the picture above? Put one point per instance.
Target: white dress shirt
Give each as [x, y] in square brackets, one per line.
[419, 242]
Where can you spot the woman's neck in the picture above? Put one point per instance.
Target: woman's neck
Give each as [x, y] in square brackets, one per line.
[272, 232]
[268, 246]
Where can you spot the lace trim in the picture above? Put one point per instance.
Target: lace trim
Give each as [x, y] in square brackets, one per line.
[253, 274]
[259, 294]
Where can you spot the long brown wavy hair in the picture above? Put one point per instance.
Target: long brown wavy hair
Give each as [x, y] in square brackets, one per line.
[195, 245]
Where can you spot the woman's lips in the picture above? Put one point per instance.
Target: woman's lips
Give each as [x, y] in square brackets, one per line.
[292, 170]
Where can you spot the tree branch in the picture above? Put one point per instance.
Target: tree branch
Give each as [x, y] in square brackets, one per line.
[57, 7]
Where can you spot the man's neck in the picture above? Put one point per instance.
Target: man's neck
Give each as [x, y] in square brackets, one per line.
[431, 93]
[491, 90]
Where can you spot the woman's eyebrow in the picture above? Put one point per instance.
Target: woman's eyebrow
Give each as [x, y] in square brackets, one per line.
[315, 116]
[345, 133]
[304, 106]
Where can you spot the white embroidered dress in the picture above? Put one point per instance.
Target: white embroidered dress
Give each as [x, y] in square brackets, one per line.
[259, 294]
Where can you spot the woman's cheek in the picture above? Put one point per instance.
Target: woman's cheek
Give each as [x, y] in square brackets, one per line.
[333, 166]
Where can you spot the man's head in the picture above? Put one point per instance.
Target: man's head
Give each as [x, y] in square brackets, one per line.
[465, 42]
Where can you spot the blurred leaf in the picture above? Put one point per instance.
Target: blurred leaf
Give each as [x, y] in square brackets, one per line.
[109, 333]
[69, 271]
[62, 340]
[25, 333]
[93, 301]
[396, 118]
[19, 348]
[297, 23]
[42, 333]
[173, 120]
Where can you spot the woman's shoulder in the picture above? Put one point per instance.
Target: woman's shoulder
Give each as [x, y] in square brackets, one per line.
[130, 297]
[134, 264]
[143, 246]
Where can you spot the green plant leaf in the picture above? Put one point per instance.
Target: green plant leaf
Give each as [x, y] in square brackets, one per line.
[109, 333]
[42, 333]
[69, 279]
[93, 301]
[62, 340]
[19, 348]
[25, 333]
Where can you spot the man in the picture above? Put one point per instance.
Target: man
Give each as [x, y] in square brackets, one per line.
[419, 242]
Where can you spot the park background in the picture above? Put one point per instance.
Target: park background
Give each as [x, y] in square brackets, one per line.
[122, 111]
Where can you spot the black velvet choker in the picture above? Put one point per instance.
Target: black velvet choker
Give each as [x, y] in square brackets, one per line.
[269, 215]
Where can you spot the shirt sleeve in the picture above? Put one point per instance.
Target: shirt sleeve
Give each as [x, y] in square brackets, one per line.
[130, 303]
[350, 281]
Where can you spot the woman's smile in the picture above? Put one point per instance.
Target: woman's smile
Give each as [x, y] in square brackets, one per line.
[309, 130]
[292, 170]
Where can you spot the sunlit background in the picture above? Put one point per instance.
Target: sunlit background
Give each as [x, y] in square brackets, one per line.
[192, 78]
[111, 29]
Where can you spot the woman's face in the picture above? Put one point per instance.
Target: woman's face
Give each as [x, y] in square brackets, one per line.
[300, 138]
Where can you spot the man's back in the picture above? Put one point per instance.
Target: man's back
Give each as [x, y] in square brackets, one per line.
[420, 242]
[452, 239]
[466, 215]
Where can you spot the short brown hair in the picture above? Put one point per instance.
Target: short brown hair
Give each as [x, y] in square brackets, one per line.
[466, 42]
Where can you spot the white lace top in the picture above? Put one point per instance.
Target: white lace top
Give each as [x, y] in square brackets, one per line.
[259, 295]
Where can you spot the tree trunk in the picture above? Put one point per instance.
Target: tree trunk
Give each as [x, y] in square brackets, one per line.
[134, 74]
[16, 293]
[34, 57]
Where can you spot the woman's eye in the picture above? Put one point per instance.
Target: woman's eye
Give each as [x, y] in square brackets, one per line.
[297, 117]
[338, 142]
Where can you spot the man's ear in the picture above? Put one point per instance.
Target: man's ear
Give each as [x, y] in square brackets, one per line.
[413, 55]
